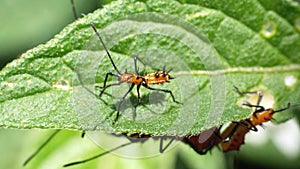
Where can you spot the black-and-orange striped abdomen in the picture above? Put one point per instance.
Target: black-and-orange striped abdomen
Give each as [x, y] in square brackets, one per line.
[158, 77]
[238, 131]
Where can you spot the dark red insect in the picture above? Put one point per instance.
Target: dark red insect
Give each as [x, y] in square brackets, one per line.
[233, 136]
[204, 141]
[133, 138]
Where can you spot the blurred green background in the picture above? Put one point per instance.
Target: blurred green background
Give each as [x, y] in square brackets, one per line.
[25, 24]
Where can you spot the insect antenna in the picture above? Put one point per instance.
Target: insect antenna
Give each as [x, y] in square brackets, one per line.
[170, 77]
[170, 70]
[288, 106]
[40, 148]
[78, 75]
[74, 10]
[109, 56]
[96, 156]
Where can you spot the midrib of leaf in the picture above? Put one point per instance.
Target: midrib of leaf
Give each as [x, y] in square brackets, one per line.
[277, 69]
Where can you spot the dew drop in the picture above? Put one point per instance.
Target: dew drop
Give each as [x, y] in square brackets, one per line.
[197, 15]
[29, 82]
[11, 85]
[62, 84]
[290, 80]
[268, 29]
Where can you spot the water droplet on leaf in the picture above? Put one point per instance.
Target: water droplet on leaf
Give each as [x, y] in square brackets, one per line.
[269, 29]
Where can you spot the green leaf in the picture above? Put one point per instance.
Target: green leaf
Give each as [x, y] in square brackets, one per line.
[211, 46]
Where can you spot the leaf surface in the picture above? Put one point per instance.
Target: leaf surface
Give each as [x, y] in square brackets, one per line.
[211, 47]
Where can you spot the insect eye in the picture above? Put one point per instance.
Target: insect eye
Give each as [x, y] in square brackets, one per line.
[156, 75]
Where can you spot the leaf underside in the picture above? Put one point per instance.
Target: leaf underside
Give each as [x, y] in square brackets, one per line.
[210, 47]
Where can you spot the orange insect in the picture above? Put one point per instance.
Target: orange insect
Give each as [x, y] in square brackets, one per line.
[158, 77]
[234, 135]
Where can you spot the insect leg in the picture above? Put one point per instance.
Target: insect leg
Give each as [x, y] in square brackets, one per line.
[214, 141]
[228, 137]
[253, 128]
[139, 95]
[96, 156]
[260, 94]
[163, 90]
[107, 86]
[137, 58]
[260, 110]
[40, 148]
[135, 64]
[83, 133]
[198, 150]
[121, 101]
[161, 148]
[217, 133]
